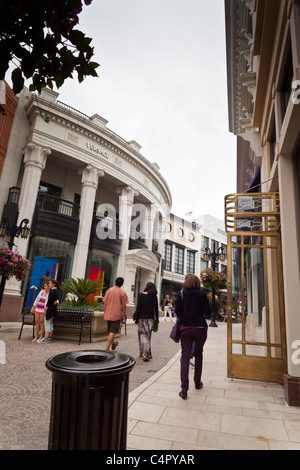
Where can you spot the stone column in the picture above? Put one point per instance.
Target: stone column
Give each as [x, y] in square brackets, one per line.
[125, 213]
[89, 181]
[35, 158]
[290, 251]
[149, 226]
[160, 236]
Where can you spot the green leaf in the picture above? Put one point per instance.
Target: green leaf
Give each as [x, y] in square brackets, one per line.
[17, 79]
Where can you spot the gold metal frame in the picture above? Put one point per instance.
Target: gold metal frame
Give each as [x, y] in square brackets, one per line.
[256, 227]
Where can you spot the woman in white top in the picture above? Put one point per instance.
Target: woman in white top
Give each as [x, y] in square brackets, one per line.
[39, 310]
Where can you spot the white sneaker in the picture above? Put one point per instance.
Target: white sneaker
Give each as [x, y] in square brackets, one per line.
[44, 340]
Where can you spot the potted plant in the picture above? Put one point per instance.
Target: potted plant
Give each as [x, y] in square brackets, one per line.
[213, 279]
[83, 290]
[11, 264]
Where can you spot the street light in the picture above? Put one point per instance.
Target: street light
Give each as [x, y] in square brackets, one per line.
[7, 228]
[214, 256]
[13, 231]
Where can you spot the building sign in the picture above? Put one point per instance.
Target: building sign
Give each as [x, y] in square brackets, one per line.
[98, 150]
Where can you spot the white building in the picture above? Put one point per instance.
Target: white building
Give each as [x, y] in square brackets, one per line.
[181, 254]
[214, 237]
[96, 206]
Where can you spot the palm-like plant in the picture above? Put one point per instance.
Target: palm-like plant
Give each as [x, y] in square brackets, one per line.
[82, 288]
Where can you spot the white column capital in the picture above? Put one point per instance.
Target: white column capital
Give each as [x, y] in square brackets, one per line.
[36, 155]
[89, 175]
[127, 192]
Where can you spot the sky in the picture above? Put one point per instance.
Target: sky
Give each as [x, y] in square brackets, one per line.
[162, 82]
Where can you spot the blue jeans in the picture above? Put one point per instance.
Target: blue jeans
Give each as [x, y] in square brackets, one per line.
[187, 337]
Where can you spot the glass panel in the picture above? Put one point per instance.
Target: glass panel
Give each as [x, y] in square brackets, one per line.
[276, 353]
[236, 285]
[237, 349]
[273, 290]
[256, 350]
[255, 299]
[255, 203]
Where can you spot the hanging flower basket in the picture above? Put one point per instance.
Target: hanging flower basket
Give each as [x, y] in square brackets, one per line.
[213, 279]
[13, 264]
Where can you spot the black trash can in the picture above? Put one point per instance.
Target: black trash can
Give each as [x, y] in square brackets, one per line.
[89, 404]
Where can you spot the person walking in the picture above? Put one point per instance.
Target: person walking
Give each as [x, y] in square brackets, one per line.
[146, 311]
[191, 307]
[51, 310]
[167, 307]
[115, 301]
[38, 309]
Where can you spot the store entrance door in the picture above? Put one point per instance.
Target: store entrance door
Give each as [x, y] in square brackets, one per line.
[255, 307]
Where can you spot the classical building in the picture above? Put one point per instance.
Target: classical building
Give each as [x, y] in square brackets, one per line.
[181, 254]
[96, 207]
[8, 105]
[262, 219]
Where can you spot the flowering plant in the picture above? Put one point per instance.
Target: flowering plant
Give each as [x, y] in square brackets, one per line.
[13, 264]
[213, 279]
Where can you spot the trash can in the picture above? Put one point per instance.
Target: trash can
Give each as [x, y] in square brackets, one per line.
[89, 403]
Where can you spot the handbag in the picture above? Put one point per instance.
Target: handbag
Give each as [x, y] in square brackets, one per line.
[175, 332]
[155, 325]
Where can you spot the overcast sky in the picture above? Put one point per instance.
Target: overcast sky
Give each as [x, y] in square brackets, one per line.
[162, 82]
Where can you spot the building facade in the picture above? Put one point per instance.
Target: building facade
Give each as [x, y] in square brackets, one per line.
[263, 63]
[8, 105]
[96, 207]
[214, 237]
[181, 254]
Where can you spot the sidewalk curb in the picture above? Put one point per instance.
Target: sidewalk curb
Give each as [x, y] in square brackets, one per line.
[141, 388]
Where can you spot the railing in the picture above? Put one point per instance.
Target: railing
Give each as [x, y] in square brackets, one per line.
[49, 203]
[57, 205]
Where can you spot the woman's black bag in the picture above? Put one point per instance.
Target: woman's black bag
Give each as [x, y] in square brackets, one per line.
[175, 332]
[155, 325]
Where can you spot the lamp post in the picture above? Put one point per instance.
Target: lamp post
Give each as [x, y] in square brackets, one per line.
[12, 230]
[214, 256]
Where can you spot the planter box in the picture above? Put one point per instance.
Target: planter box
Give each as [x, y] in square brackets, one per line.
[98, 330]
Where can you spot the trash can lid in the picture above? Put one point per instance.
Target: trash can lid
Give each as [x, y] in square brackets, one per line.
[90, 362]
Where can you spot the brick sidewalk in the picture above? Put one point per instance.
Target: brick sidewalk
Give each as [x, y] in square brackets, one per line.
[25, 382]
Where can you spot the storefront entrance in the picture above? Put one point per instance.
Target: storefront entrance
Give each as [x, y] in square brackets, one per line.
[255, 307]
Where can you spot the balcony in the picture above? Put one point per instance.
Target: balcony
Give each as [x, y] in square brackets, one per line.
[53, 217]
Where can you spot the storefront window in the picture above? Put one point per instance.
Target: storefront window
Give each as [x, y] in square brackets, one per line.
[50, 258]
[102, 266]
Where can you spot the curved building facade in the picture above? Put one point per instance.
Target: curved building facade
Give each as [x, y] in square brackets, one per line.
[96, 206]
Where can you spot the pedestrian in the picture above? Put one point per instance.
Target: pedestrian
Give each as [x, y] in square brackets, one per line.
[167, 307]
[191, 307]
[146, 311]
[38, 309]
[115, 301]
[51, 310]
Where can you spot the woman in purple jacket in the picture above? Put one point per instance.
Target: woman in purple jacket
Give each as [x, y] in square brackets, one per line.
[191, 307]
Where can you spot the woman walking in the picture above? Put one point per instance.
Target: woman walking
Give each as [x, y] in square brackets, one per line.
[146, 311]
[191, 307]
[38, 309]
[167, 307]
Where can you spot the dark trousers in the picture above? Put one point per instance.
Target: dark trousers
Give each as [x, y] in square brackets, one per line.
[187, 337]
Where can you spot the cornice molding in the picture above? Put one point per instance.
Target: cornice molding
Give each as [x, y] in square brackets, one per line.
[83, 125]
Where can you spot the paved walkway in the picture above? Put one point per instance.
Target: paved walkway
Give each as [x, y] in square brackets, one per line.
[225, 414]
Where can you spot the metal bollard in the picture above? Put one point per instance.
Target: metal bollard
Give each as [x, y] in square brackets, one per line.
[89, 404]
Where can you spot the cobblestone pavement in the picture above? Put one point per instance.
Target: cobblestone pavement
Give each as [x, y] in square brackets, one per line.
[25, 382]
